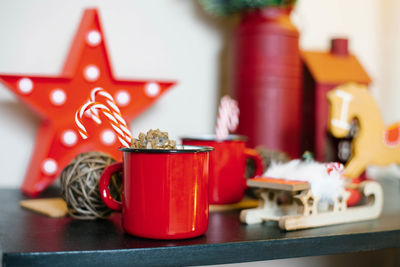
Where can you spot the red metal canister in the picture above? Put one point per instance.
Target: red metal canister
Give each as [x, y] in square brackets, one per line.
[267, 79]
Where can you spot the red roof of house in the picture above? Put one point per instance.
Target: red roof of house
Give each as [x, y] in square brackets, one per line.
[325, 67]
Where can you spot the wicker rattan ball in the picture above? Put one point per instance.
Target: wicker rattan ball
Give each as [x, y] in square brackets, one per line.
[80, 186]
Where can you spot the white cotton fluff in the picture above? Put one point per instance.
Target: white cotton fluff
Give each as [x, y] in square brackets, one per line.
[324, 185]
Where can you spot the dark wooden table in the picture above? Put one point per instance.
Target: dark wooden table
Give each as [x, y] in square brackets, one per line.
[28, 239]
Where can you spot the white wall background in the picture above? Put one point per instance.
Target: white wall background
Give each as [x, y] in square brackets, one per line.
[173, 40]
[170, 39]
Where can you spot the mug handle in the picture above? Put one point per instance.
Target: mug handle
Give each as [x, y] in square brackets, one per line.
[253, 154]
[105, 182]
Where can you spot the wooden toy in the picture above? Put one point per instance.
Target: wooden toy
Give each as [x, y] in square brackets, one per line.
[301, 208]
[56, 99]
[322, 72]
[374, 144]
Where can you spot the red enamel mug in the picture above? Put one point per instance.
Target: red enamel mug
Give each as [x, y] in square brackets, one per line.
[227, 181]
[164, 193]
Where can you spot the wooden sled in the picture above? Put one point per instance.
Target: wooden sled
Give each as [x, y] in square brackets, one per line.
[303, 210]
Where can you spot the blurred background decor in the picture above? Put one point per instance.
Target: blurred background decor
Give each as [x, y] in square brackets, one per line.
[375, 143]
[142, 45]
[266, 72]
[323, 71]
[55, 100]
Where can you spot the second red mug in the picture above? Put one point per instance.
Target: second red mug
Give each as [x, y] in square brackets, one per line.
[227, 181]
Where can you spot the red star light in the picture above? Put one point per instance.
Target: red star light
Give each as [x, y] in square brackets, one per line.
[56, 99]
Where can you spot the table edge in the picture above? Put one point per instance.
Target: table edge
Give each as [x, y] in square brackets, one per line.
[206, 254]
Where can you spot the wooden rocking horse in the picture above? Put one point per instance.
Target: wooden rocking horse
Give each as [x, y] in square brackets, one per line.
[374, 144]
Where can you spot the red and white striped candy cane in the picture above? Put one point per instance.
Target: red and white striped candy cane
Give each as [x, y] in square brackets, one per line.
[334, 166]
[228, 117]
[110, 116]
[112, 106]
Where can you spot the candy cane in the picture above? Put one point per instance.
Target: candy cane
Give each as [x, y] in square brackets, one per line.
[112, 106]
[228, 117]
[334, 167]
[94, 113]
[110, 116]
